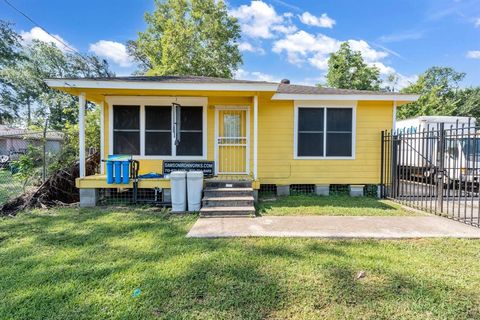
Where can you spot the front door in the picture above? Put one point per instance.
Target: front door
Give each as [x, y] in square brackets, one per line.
[232, 126]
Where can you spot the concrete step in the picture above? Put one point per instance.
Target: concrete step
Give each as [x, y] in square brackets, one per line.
[228, 183]
[243, 201]
[227, 211]
[227, 192]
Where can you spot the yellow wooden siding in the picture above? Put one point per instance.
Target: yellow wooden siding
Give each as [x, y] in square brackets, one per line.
[275, 150]
[275, 147]
[147, 165]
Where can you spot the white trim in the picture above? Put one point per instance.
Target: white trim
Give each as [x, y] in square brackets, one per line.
[142, 130]
[156, 85]
[346, 97]
[247, 138]
[102, 137]
[81, 133]
[255, 137]
[142, 101]
[324, 104]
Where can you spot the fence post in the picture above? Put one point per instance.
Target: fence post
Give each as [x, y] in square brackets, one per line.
[441, 164]
[382, 163]
[395, 177]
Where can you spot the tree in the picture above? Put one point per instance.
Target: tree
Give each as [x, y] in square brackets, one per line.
[439, 89]
[188, 37]
[9, 56]
[23, 89]
[348, 70]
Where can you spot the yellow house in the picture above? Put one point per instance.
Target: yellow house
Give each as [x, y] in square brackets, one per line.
[272, 133]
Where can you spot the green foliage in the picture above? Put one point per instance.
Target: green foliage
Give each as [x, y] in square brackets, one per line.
[29, 164]
[188, 37]
[347, 70]
[440, 94]
[23, 92]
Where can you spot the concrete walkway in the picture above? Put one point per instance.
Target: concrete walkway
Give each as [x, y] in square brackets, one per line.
[333, 227]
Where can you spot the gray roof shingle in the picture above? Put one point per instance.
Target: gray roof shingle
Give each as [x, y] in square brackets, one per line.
[299, 89]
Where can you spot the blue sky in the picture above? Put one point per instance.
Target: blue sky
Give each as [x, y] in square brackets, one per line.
[285, 38]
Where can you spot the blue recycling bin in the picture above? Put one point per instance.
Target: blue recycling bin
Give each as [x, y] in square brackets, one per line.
[118, 169]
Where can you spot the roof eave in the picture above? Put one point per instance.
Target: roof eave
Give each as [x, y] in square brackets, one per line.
[346, 97]
[153, 85]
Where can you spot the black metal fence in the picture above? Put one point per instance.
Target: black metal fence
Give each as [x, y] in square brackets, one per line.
[435, 169]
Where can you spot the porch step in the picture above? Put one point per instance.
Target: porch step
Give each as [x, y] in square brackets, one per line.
[228, 201]
[227, 192]
[228, 184]
[227, 198]
[227, 211]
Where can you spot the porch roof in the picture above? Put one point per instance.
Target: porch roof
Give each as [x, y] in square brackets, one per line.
[95, 88]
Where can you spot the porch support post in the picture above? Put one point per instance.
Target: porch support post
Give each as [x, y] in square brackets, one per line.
[81, 132]
[102, 137]
[255, 137]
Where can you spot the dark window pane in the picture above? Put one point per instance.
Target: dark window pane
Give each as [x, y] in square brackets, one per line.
[158, 118]
[158, 143]
[191, 118]
[126, 117]
[191, 144]
[125, 142]
[339, 144]
[310, 144]
[310, 119]
[339, 119]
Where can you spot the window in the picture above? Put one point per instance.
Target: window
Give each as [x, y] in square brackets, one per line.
[158, 130]
[324, 132]
[157, 126]
[126, 130]
[191, 134]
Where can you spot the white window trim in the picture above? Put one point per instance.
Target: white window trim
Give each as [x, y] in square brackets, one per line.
[324, 104]
[161, 101]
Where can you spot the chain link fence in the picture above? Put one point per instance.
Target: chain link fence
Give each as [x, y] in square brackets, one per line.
[25, 157]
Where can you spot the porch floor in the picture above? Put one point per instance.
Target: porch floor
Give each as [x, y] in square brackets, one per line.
[99, 181]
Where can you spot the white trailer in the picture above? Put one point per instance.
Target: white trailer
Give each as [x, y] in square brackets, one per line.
[419, 142]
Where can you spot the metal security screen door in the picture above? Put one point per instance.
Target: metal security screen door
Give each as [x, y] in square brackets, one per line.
[232, 127]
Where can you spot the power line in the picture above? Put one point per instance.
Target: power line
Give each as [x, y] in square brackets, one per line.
[45, 30]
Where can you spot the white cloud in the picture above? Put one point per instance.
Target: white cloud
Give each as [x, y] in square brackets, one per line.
[247, 47]
[477, 23]
[474, 54]
[405, 81]
[302, 46]
[114, 51]
[369, 54]
[255, 75]
[37, 33]
[260, 20]
[323, 21]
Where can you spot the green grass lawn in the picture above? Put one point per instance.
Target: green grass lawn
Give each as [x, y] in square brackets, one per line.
[10, 186]
[335, 205]
[137, 264]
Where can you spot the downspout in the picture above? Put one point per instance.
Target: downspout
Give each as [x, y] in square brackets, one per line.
[394, 124]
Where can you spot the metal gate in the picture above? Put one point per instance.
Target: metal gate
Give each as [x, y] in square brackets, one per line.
[433, 169]
[232, 140]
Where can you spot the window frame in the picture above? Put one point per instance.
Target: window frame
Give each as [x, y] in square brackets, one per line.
[326, 105]
[159, 101]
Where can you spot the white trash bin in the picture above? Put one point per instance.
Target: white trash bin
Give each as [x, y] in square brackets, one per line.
[194, 189]
[179, 191]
